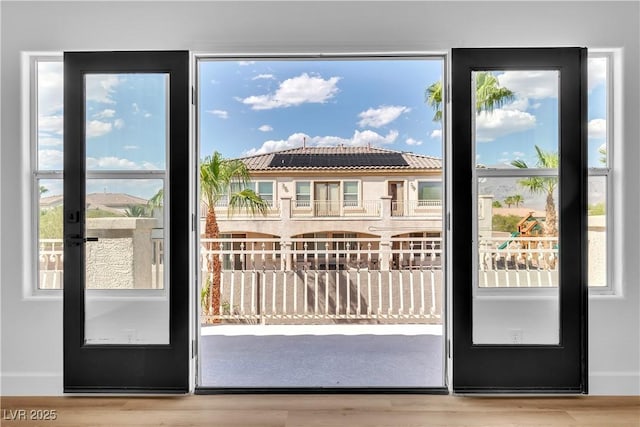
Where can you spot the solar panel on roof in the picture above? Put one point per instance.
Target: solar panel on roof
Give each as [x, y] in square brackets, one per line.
[336, 160]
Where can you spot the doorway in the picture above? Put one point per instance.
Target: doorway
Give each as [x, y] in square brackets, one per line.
[335, 292]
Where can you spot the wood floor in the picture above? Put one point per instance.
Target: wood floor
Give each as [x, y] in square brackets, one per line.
[322, 410]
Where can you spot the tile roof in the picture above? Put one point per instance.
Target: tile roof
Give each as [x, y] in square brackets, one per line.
[320, 158]
[114, 199]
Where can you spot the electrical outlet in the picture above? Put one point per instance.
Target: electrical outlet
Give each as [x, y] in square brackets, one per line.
[515, 336]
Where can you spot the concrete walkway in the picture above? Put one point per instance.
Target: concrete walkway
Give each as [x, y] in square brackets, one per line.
[321, 356]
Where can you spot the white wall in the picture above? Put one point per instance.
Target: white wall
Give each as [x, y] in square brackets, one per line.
[32, 328]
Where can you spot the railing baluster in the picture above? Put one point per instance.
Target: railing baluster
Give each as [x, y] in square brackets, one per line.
[422, 300]
[411, 308]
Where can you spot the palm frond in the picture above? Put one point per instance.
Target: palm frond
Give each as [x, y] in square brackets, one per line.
[247, 200]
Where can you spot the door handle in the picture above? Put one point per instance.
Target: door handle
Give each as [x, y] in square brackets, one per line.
[77, 240]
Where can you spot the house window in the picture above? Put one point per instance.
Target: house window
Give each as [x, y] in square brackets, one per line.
[600, 164]
[350, 193]
[46, 84]
[265, 190]
[303, 194]
[429, 192]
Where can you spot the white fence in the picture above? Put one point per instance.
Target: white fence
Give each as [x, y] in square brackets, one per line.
[315, 280]
[341, 279]
[516, 262]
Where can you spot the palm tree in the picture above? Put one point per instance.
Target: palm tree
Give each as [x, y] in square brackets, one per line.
[136, 211]
[508, 201]
[489, 95]
[517, 199]
[603, 155]
[219, 178]
[543, 185]
[156, 200]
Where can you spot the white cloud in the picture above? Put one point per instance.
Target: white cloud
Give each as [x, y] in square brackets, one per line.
[100, 87]
[97, 128]
[135, 107]
[107, 113]
[521, 104]
[222, 114]
[50, 84]
[436, 133]
[359, 138]
[118, 123]
[383, 115]
[502, 122]
[296, 91]
[131, 147]
[51, 124]
[270, 146]
[47, 141]
[597, 72]
[534, 84]
[147, 115]
[411, 141]
[597, 128]
[245, 63]
[50, 159]
[518, 154]
[263, 77]
[116, 163]
[265, 128]
[370, 137]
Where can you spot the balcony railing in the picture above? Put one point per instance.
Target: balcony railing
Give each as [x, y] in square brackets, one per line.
[325, 208]
[341, 279]
[300, 209]
[224, 212]
[316, 280]
[417, 208]
[518, 262]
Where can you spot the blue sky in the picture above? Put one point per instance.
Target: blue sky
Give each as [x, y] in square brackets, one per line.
[253, 107]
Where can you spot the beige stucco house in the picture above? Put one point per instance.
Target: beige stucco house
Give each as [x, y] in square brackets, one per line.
[341, 192]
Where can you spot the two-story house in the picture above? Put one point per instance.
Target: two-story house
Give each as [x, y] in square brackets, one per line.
[319, 193]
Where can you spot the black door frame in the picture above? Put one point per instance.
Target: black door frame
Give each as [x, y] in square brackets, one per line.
[126, 368]
[523, 368]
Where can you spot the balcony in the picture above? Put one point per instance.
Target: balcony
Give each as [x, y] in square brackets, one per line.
[305, 209]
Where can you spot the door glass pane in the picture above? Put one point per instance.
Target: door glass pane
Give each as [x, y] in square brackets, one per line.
[516, 292]
[126, 121]
[126, 134]
[516, 115]
[125, 253]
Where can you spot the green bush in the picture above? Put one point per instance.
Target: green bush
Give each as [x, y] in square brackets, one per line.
[597, 209]
[508, 223]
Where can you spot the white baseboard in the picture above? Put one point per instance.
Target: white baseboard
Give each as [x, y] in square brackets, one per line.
[614, 383]
[51, 384]
[31, 384]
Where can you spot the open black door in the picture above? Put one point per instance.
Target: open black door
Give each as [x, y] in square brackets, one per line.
[519, 220]
[126, 225]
